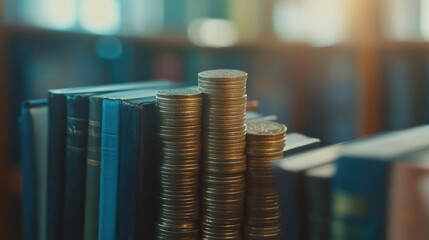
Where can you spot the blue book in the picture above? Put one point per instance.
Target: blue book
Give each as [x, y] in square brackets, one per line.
[290, 181]
[57, 135]
[119, 154]
[33, 137]
[92, 158]
[362, 179]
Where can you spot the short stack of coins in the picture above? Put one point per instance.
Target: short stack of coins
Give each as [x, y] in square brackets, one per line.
[265, 142]
[224, 159]
[180, 113]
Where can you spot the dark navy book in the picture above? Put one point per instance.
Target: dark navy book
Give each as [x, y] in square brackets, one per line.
[290, 181]
[75, 165]
[57, 136]
[33, 137]
[139, 168]
[362, 179]
[319, 191]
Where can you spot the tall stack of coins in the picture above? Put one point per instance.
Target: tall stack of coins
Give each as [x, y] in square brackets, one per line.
[264, 143]
[180, 133]
[224, 159]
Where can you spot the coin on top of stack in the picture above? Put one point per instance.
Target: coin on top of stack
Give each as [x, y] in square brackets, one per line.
[180, 112]
[224, 159]
[265, 141]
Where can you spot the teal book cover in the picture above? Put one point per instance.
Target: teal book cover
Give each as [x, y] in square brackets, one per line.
[362, 179]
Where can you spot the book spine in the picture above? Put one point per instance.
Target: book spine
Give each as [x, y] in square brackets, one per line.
[92, 194]
[292, 203]
[40, 143]
[129, 171]
[319, 208]
[110, 137]
[75, 166]
[29, 186]
[149, 170]
[359, 199]
[56, 161]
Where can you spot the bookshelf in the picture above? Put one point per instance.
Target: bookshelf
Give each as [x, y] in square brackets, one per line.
[366, 44]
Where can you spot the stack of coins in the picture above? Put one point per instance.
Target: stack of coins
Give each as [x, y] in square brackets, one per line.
[224, 159]
[180, 114]
[265, 142]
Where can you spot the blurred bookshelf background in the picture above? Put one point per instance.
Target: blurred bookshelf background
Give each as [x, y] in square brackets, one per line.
[331, 69]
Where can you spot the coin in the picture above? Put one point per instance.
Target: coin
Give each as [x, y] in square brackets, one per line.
[180, 114]
[265, 128]
[180, 93]
[224, 162]
[265, 142]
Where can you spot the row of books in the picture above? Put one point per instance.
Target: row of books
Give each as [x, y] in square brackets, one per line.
[372, 188]
[90, 160]
[83, 178]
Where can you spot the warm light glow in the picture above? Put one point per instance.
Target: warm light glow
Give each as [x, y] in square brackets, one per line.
[99, 16]
[213, 32]
[402, 21]
[286, 22]
[424, 19]
[317, 22]
[57, 14]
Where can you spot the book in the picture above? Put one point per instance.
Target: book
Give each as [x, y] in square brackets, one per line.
[290, 182]
[319, 181]
[92, 186]
[115, 219]
[408, 211]
[298, 143]
[361, 183]
[148, 151]
[33, 137]
[57, 149]
[74, 183]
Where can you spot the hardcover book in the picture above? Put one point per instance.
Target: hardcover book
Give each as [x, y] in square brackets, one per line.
[319, 181]
[74, 183]
[360, 186]
[408, 214]
[57, 136]
[144, 159]
[290, 181]
[33, 137]
[91, 158]
[122, 140]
